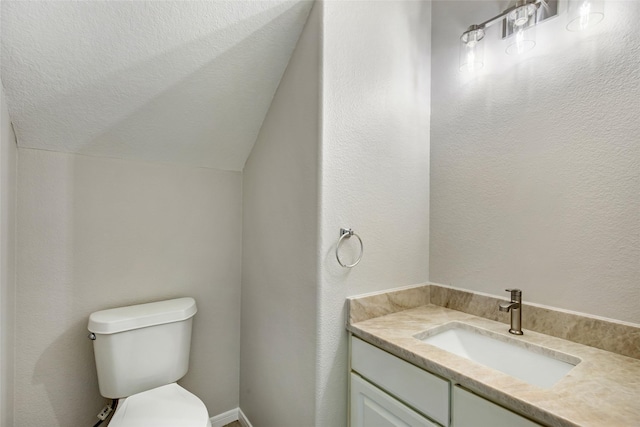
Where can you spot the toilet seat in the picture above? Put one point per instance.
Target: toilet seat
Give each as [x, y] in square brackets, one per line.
[166, 406]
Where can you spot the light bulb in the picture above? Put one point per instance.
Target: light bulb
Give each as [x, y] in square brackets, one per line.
[585, 11]
[520, 41]
[471, 60]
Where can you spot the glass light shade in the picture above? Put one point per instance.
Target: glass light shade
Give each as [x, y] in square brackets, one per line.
[523, 39]
[472, 51]
[584, 14]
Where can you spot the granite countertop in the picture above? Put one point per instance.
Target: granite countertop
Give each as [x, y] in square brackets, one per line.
[602, 390]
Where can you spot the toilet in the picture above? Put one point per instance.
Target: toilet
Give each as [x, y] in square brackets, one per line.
[141, 351]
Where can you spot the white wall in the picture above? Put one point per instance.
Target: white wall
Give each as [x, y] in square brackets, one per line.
[280, 240]
[536, 163]
[8, 162]
[96, 233]
[375, 167]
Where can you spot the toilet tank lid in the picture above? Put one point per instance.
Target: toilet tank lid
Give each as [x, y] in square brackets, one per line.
[141, 315]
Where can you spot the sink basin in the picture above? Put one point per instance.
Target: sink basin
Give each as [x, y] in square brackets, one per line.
[536, 365]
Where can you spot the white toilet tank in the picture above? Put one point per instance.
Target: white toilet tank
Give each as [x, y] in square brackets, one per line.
[143, 346]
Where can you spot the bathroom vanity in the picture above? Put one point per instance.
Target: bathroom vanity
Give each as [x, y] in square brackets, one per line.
[399, 377]
[374, 371]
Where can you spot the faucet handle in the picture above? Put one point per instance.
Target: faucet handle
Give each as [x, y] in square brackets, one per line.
[515, 292]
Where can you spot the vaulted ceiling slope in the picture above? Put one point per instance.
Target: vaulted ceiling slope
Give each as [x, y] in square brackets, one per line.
[165, 81]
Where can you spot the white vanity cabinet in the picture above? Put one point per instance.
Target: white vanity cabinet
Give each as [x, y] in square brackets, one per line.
[387, 391]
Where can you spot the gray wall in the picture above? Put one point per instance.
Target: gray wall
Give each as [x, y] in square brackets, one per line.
[8, 163]
[279, 264]
[95, 233]
[535, 163]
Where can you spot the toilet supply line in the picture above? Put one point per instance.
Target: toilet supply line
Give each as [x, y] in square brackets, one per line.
[106, 411]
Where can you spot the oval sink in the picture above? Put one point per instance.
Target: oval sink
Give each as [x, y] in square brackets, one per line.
[536, 365]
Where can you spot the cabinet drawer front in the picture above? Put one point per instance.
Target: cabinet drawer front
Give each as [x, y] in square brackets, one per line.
[423, 391]
[470, 410]
[371, 407]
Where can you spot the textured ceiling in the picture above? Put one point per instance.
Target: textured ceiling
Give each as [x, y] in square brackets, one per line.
[168, 81]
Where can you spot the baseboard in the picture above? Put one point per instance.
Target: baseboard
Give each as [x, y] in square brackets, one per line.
[244, 421]
[225, 418]
[228, 417]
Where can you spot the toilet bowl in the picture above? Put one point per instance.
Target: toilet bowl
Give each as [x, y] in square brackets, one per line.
[166, 406]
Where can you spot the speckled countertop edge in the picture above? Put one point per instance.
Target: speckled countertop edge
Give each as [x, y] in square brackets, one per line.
[603, 390]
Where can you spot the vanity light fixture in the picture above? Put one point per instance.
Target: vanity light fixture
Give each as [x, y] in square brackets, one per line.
[517, 21]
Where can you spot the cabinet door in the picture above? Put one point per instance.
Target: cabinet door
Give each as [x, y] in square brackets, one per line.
[422, 390]
[470, 410]
[371, 407]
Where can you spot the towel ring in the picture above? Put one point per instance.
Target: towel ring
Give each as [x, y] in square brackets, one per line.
[347, 232]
